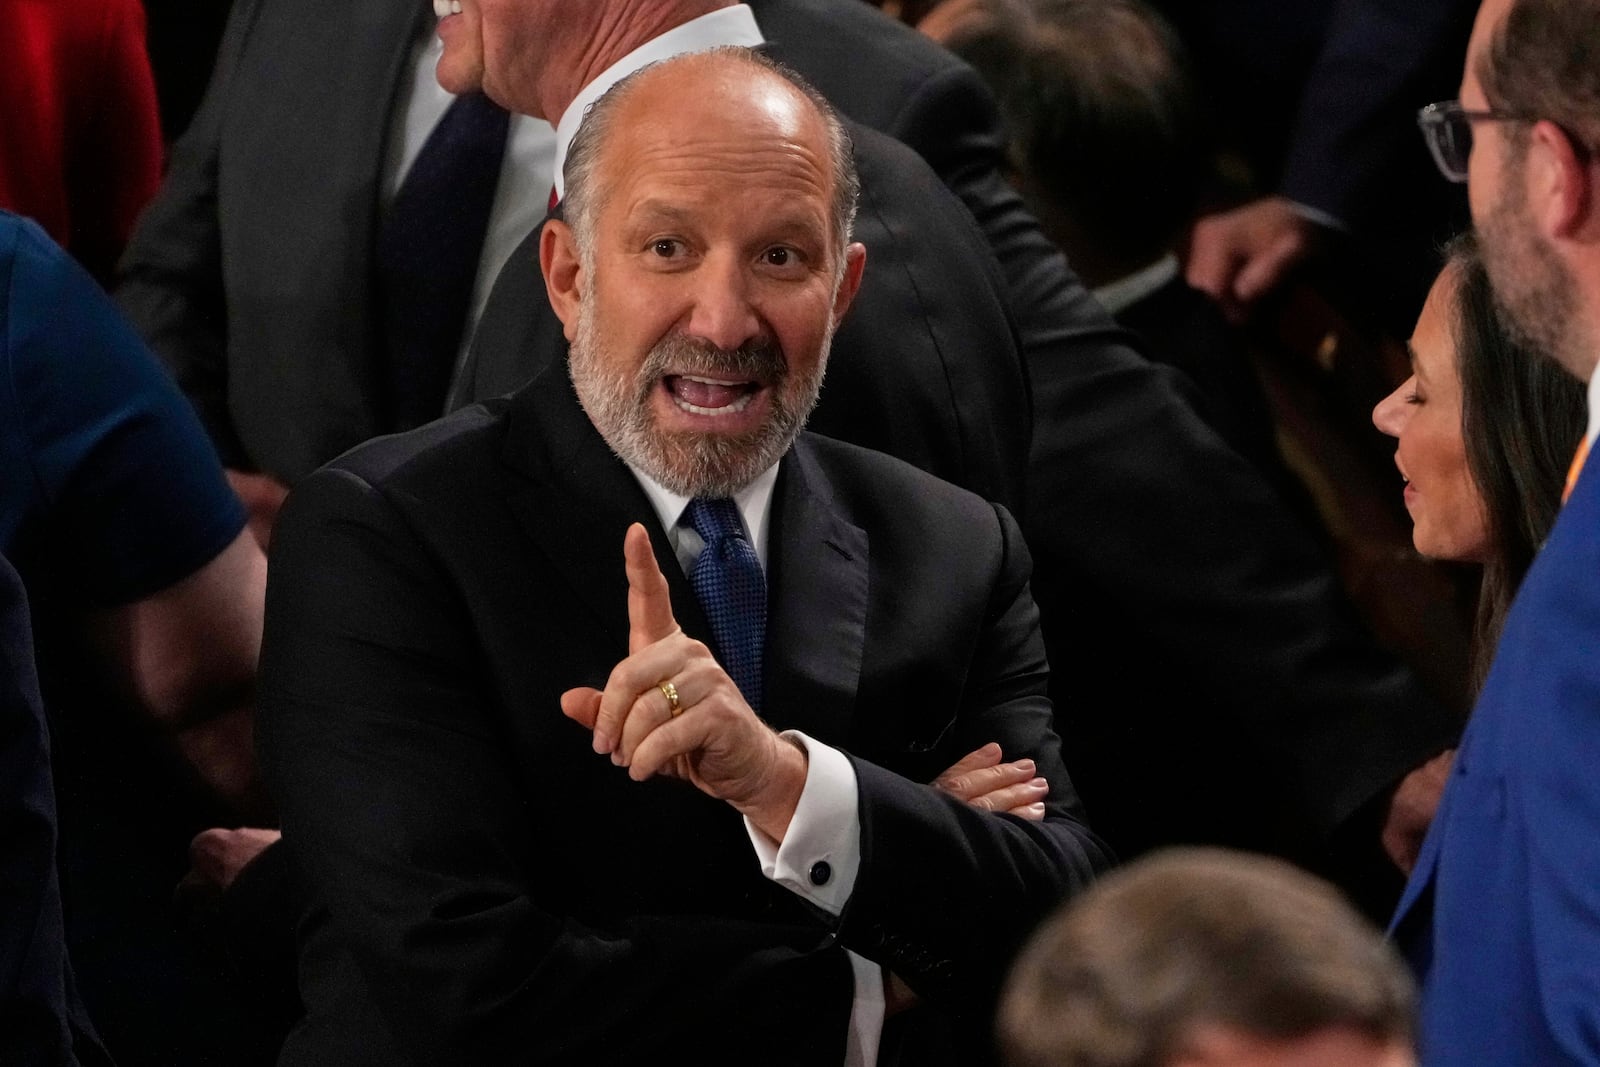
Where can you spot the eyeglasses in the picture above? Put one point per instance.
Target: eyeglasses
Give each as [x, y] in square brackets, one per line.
[1447, 127]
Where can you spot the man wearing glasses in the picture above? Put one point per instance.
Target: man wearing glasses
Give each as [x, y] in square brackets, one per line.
[1502, 916]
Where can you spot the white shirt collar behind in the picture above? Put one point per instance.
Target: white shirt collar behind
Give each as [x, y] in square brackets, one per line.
[1594, 404]
[1129, 289]
[755, 508]
[729, 26]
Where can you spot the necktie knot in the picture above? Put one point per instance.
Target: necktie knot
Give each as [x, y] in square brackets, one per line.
[732, 590]
[716, 520]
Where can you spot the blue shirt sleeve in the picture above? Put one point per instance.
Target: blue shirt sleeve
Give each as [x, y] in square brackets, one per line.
[107, 471]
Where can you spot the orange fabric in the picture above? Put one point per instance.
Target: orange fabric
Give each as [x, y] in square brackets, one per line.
[1576, 468]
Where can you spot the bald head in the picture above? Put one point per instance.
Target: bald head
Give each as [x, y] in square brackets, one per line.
[717, 100]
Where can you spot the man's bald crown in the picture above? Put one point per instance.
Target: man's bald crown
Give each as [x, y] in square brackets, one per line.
[735, 75]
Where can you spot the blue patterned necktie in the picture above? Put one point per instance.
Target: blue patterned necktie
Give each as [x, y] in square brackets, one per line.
[728, 581]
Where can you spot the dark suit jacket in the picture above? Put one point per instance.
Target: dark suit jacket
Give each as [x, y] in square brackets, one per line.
[1321, 97]
[1183, 328]
[41, 1019]
[488, 890]
[1501, 918]
[251, 273]
[1208, 671]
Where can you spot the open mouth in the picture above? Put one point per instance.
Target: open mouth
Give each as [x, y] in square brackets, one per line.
[445, 8]
[701, 395]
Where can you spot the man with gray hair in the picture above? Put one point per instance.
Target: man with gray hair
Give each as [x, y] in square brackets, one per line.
[1203, 957]
[530, 778]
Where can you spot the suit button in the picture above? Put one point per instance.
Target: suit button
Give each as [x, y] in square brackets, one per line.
[821, 872]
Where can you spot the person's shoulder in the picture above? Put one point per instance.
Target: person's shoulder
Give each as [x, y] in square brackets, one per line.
[23, 243]
[879, 46]
[432, 457]
[873, 483]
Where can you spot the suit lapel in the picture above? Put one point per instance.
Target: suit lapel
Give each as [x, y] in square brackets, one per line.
[578, 501]
[816, 605]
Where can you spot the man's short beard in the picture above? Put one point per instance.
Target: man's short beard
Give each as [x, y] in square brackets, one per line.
[690, 464]
[1536, 297]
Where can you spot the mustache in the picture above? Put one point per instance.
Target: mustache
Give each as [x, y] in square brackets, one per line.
[759, 359]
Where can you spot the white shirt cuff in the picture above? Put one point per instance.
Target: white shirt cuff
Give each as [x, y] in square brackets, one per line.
[1318, 216]
[821, 852]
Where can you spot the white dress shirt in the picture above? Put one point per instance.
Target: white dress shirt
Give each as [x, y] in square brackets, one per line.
[1594, 404]
[1116, 297]
[825, 831]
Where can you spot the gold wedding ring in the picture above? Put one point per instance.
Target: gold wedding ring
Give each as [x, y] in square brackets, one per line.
[670, 691]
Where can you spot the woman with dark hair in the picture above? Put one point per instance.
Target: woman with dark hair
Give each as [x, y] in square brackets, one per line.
[1486, 428]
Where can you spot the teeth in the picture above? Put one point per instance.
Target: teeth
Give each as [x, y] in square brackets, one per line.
[730, 409]
[444, 8]
[712, 381]
[455, 7]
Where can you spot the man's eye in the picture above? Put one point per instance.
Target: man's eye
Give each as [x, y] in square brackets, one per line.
[666, 247]
[778, 257]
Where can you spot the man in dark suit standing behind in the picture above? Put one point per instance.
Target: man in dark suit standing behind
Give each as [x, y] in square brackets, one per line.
[500, 891]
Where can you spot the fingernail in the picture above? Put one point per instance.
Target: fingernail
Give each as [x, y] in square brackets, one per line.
[1038, 783]
[602, 743]
[1026, 765]
[1037, 809]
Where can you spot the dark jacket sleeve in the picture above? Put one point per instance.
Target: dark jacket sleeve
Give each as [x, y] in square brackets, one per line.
[1380, 61]
[412, 827]
[170, 280]
[947, 893]
[43, 1021]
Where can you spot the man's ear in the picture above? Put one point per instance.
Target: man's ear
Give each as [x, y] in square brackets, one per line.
[1561, 182]
[855, 261]
[563, 273]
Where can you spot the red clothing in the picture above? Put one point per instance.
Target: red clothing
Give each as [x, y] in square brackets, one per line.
[80, 140]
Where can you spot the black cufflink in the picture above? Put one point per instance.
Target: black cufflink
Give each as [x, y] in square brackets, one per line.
[821, 872]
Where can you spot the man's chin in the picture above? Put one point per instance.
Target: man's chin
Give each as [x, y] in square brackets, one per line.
[457, 74]
[713, 465]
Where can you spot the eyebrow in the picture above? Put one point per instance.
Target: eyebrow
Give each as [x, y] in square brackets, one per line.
[660, 211]
[655, 212]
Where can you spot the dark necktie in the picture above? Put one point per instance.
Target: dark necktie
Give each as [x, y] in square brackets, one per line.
[728, 581]
[429, 244]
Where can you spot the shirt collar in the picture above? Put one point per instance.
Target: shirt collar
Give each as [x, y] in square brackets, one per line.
[1594, 404]
[754, 502]
[734, 25]
[1129, 289]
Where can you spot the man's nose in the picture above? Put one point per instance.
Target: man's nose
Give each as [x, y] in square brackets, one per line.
[1393, 411]
[723, 313]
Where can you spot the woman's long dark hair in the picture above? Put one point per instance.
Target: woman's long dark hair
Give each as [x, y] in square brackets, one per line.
[1521, 418]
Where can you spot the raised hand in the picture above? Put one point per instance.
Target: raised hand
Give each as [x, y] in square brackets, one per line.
[980, 779]
[709, 735]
